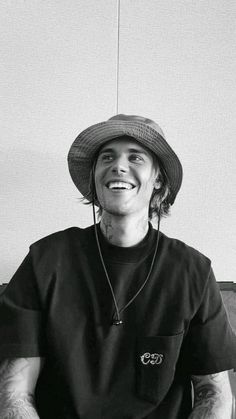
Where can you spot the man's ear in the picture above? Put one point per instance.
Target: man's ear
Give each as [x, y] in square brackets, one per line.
[157, 184]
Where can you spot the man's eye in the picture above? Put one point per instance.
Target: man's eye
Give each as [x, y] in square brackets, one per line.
[107, 157]
[136, 157]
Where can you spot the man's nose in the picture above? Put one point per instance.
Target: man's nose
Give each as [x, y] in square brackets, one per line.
[120, 165]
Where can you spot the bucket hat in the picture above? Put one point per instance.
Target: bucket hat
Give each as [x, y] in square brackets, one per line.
[149, 134]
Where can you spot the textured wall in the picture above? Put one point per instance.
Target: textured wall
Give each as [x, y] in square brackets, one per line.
[58, 75]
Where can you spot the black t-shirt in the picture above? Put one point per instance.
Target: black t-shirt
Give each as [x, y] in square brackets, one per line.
[59, 306]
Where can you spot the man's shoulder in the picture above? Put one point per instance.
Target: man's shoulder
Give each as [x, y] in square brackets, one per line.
[63, 238]
[183, 252]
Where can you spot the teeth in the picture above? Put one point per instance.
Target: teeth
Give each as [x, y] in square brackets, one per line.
[119, 185]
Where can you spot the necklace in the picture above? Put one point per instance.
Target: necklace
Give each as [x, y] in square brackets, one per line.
[116, 320]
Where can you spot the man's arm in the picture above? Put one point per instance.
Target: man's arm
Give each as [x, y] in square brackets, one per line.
[212, 396]
[18, 377]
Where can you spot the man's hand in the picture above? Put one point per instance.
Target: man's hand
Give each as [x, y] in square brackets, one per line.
[212, 396]
[18, 377]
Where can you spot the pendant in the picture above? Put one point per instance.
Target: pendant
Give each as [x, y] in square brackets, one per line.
[116, 322]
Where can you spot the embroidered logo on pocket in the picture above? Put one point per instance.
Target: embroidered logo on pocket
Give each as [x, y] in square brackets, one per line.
[153, 359]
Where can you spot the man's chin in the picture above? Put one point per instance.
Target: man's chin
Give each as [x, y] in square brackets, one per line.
[117, 211]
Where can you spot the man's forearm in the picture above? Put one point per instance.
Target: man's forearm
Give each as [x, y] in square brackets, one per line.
[18, 378]
[14, 406]
[212, 399]
[210, 409]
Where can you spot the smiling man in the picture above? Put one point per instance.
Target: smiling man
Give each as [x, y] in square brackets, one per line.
[116, 321]
[125, 176]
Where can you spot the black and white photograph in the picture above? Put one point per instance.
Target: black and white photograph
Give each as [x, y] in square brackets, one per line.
[118, 209]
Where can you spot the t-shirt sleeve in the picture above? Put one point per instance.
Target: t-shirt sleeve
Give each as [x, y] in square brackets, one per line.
[211, 341]
[21, 328]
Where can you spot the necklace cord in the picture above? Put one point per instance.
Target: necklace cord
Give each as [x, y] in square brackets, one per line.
[118, 319]
[104, 266]
[149, 273]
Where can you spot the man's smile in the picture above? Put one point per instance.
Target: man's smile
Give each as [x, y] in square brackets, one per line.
[120, 185]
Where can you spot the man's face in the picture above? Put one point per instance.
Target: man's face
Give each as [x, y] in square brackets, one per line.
[125, 175]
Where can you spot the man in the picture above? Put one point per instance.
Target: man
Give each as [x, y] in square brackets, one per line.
[117, 320]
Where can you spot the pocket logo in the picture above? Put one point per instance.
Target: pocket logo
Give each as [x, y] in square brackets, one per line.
[153, 359]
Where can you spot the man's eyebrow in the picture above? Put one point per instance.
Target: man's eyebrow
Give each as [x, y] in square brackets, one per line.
[138, 150]
[106, 150]
[130, 150]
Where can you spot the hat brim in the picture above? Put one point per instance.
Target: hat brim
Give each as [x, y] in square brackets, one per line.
[86, 145]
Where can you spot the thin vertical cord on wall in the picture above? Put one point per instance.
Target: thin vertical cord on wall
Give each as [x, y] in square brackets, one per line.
[118, 56]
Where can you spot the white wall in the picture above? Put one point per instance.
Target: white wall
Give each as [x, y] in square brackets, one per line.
[58, 75]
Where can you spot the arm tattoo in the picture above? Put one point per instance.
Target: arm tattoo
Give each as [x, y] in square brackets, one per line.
[16, 402]
[205, 401]
[209, 397]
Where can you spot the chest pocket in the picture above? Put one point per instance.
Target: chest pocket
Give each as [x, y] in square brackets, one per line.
[155, 367]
